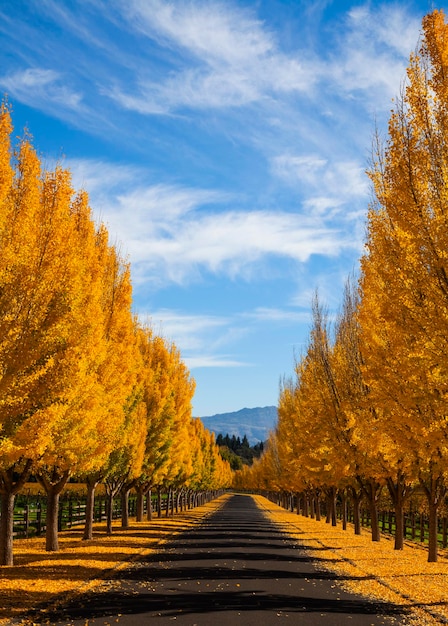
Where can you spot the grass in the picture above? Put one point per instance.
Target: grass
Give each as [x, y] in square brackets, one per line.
[404, 578]
[39, 578]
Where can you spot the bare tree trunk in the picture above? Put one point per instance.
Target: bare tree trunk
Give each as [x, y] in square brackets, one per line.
[298, 501]
[344, 509]
[53, 482]
[356, 499]
[91, 482]
[11, 483]
[149, 505]
[140, 490]
[6, 527]
[159, 502]
[51, 537]
[373, 489]
[112, 486]
[331, 494]
[435, 490]
[124, 495]
[317, 504]
[399, 491]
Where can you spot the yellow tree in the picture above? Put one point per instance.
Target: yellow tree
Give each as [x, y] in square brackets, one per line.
[73, 444]
[158, 377]
[38, 296]
[121, 425]
[406, 265]
[182, 384]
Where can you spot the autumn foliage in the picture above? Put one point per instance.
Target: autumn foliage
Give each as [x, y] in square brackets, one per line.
[86, 390]
[367, 409]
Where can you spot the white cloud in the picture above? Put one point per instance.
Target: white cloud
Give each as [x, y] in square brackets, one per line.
[213, 30]
[229, 58]
[374, 51]
[191, 332]
[173, 233]
[266, 314]
[38, 87]
[197, 362]
[304, 168]
[331, 188]
[199, 337]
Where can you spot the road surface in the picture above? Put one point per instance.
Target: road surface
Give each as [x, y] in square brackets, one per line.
[235, 568]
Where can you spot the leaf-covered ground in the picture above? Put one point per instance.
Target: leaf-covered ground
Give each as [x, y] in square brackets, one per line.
[373, 569]
[38, 578]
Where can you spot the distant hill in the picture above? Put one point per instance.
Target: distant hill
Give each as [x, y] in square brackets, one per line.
[255, 423]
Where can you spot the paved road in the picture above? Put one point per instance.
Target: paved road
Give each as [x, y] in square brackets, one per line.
[236, 568]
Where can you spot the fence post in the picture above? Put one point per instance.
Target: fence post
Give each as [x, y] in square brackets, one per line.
[70, 513]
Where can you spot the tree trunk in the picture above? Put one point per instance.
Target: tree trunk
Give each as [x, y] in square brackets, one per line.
[435, 491]
[306, 505]
[90, 508]
[12, 481]
[51, 537]
[399, 491]
[149, 505]
[317, 501]
[159, 502]
[344, 509]
[109, 512]
[53, 482]
[373, 490]
[356, 499]
[432, 533]
[124, 495]
[298, 498]
[6, 528]
[331, 494]
[140, 490]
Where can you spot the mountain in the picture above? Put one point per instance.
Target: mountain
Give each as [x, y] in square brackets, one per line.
[254, 423]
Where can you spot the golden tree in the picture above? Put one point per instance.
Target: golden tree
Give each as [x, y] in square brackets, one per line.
[41, 316]
[405, 272]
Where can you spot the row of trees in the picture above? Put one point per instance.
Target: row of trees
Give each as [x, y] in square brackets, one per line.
[86, 390]
[368, 406]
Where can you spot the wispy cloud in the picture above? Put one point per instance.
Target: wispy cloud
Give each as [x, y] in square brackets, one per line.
[171, 237]
[192, 332]
[230, 58]
[267, 314]
[213, 361]
[332, 189]
[38, 86]
[374, 49]
[201, 337]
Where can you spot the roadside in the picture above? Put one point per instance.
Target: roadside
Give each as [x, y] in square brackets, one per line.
[40, 578]
[377, 571]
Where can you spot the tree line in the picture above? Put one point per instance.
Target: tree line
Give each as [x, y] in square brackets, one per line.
[86, 389]
[238, 452]
[367, 408]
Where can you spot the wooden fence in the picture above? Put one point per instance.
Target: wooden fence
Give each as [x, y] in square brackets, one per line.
[30, 515]
[416, 523]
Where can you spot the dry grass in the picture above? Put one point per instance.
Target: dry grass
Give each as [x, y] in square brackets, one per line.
[378, 571]
[39, 577]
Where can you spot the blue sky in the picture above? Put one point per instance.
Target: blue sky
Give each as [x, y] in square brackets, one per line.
[224, 144]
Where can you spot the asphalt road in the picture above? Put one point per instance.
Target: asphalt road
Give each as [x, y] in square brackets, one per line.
[235, 568]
